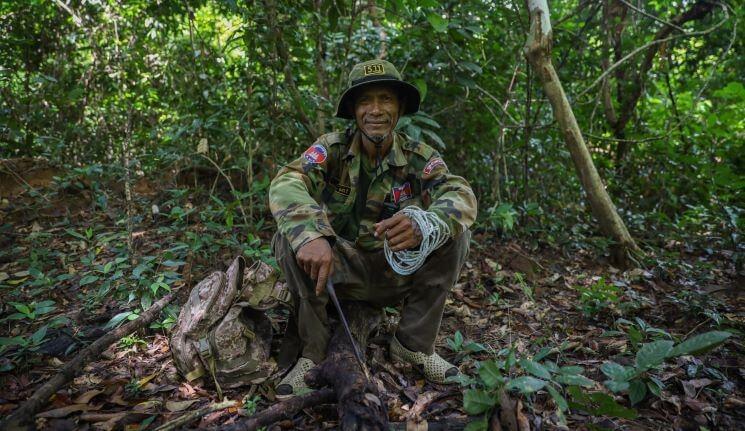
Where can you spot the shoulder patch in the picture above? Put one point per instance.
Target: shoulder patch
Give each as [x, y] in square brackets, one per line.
[433, 164]
[316, 154]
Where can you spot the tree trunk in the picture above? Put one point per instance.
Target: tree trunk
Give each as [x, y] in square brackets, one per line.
[359, 404]
[538, 52]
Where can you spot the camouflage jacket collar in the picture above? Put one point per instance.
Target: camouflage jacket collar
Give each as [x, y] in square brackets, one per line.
[395, 157]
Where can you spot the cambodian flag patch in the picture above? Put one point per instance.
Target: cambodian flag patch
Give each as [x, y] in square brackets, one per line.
[402, 193]
[434, 163]
[316, 154]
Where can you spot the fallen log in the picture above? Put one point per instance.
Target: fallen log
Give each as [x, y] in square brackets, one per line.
[25, 413]
[284, 410]
[445, 424]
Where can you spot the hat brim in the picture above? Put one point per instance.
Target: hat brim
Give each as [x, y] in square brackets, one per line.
[409, 92]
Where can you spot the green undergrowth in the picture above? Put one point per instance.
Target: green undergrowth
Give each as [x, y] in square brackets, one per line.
[549, 374]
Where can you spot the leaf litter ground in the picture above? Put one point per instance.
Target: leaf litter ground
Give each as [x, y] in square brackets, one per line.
[511, 293]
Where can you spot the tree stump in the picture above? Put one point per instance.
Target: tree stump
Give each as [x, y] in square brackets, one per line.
[359, 404]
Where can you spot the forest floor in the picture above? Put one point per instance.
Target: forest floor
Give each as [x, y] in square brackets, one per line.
[569, 307]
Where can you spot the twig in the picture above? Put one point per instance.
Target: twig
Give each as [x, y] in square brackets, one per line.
[423, 401]
[496, 192]
[40, 397]
[185, 419]
[695, 328]
[719, 60]
[504, 110]
[633, 141]
[230, 183]
[22, 180]
[617, 64]
[649, 15]
[75, 18]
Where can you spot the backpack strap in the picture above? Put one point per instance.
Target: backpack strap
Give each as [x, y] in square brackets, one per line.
[208, 361]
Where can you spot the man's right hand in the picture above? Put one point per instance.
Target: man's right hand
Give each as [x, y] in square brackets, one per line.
[317, 260]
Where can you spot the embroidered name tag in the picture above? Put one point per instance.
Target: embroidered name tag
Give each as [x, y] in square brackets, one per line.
[401, 193]
[315, 154]
[343, 190]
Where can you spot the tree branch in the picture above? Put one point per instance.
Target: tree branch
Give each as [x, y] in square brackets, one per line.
[650, 45]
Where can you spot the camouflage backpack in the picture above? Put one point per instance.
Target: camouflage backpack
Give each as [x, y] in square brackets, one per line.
[222, 329]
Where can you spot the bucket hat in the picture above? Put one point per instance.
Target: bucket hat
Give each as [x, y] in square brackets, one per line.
[375, 72]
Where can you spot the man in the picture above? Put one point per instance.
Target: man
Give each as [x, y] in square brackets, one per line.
[337, 203]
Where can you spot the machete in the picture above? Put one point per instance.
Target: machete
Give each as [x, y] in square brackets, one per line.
[357, 354]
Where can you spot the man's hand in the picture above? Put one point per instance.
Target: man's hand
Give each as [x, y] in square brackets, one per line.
[317, 260]
[400, 232]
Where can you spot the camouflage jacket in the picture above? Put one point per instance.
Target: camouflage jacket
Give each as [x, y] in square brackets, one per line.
[314, 195]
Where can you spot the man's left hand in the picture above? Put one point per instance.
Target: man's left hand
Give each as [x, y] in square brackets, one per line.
[400, 232]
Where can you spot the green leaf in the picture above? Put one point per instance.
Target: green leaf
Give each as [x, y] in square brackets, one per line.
[616, 371]
[116, 320]
[608, 406]
[510, 361]
[637, 391]
[545, 351]
[44, 309]
[550, 365]
[571, 370]
[458, 337]
[39, 334]
[75, 234]
[12, 341]
[654, 388]
[489, 373]
[137, 272]
[535, 368]
[23, 308]
[473, 67]
[700, 343]
[526, 384]
[479, 424]
[598, 403]
[403, 122]
[653, 354]
[88, 279]
[575, 380]
[435, 137]
[428, 121]
[476, 401]
[616, 386]
[421, 85]
[146, 301]
[461, 379]
[561, 402]
[174, 263]
[438, 23]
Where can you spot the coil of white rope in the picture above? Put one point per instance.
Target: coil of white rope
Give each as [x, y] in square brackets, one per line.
[434, 234]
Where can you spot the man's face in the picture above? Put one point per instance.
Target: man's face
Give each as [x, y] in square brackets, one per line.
[376, 109]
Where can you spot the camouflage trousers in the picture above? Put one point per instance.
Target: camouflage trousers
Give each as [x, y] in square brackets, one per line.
[366, 276]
